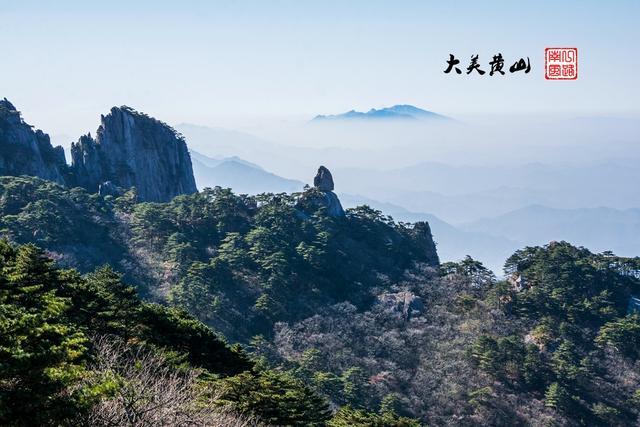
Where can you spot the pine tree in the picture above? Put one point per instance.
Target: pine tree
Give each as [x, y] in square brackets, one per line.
[556, 397]
[277, 398]
[41, 352]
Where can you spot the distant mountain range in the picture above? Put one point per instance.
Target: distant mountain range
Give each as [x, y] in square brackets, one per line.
[289, 160]
[241, 176]
[213, 162]
[598, 229]
[492, 240]
[396, 112]
[463, 194]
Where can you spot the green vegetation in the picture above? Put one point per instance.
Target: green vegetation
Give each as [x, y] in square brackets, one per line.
[48, 318]
[570, 306]
[238, 263]
[622, 334]
[229, 263]
[52, 320]
[348, 416]
[336, 321]
[70, 223]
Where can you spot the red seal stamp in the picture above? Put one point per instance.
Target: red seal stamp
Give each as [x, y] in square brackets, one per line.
[561, 63]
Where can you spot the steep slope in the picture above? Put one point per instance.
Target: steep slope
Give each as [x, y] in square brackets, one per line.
[132, 149]
[24, 151]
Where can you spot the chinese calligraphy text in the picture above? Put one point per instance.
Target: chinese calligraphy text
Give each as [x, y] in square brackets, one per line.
[497, 65]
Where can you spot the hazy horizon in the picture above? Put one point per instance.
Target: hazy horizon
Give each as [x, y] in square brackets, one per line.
[245, 78]
[229, 63]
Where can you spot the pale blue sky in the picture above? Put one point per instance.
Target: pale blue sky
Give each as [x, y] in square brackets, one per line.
[65, 62]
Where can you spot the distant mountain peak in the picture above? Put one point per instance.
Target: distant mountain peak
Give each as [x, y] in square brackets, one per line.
[395, 112]
[218, 160]
[242, 176]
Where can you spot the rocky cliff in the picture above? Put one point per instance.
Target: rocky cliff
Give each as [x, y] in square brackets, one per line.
[132, 149]
[422, 234]
[24, 151]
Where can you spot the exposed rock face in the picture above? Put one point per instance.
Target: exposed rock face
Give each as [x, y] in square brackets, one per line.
[405, 303]
[323, 179]
[321, 196]
[422, 232]
[24, 151]
[330, 201]
[132, 149]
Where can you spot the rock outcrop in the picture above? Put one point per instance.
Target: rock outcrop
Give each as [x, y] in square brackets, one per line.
[132, 149]
[323, 180]
[24, 151]
[422, 234]
[321, 196]
[405, 303]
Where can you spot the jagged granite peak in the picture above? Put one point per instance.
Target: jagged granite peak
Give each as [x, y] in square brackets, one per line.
[323, 179]
[24, 151]
[321, 196]
[132, 149]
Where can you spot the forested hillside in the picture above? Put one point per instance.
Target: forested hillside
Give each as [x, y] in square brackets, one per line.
[239, 263]
[84, 350]
[336, 320]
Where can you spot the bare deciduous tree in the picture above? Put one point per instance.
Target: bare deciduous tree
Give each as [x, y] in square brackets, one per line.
[146, 391]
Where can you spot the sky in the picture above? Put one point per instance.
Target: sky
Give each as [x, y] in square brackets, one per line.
[212, 62]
